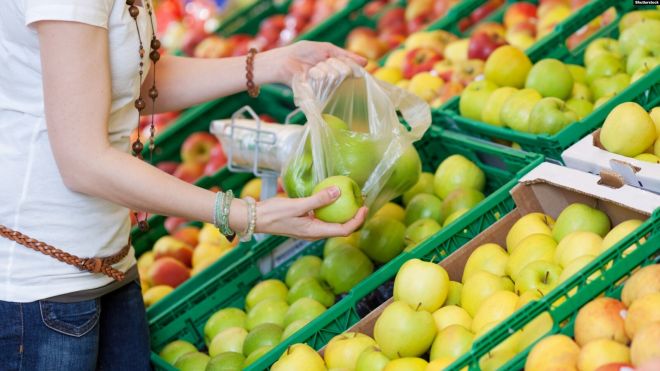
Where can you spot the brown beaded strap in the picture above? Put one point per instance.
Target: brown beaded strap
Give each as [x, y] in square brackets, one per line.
[252, 89]
[94, 265]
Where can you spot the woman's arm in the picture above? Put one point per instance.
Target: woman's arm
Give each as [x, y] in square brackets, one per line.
[184, 82]
[77, 96]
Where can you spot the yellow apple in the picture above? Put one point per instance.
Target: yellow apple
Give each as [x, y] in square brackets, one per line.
[452, 341]
[479, 288]
[396, 59]
[642, 312]
[425, 85]
[575, 266]
[655, 116]
[646, 344]
[210, 234]
[494, 360]
[602, 318]
[534, 330]
[391, 210]
[577, 244]
[390, 75]
[451, 315]
[299, 357]
[508, 66]
[601, 352]
[406, 364]
[491, 112]
[533, 248]
[457, 51]
[529, 224]
[441, 364]
[511, 344]
[643, 282]
[495, 309]
[344, 349]
[619, 232]
[423, 285]
[628, 130]
[553, 353]
[490, 257]
[454, 295]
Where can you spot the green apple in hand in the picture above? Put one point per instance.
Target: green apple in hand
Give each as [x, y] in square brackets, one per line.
[382, 238]
[424, 185]
[600, 47]
[423, 285]
[345, 206]
[452, 341]
[488, 257]
[229, 340]
[228, 361]
[551, 78]
[303, 267]
[267, 334]
[516, 110]
[539, 275]
[580, 106]
[455, 172]
[549, 116]
[313, 288]
[345, 268]
[491, 111]
[609, 86]
[580, 217]
[299, 357]
[268, 289]
[403, 331]
[344, 349]
[371, 359]
[223, 319]
[419, 231]
[303, 309]
[298, 177]
[424, 206]
[579, 73]
[473, 98]
[405, 172]
[267, 311]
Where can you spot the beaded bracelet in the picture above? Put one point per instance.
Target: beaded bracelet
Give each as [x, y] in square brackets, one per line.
[219, 196]
[251, 219]
[221, 214]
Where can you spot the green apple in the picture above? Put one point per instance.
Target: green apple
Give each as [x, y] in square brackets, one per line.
[293, 327]
[267, 311]
[600, 47]
[495, 360]
[534, 247]
[403, 331]
[424, 206]
[194, 361]
[605, 66]
[335, 122]
[345, 268]
[391, 210]
[578, 244]
[299, 357]
[174, 350]
[354, 155]
[303, 309]
[424, 185]
[539, 275]
[298, 177]
[621, 231]
[529, 224]
[228, 361]
[580, 217]
[628, 130]
[266, 334]
[631, 18]
[606, 86]
[638, 56]
[551, 78]
[452, 341]
[581, 91]
[420, 230]
[371, 359]
[405, 172]
[489, 257]
[517, 108]
[303, 267]
[460, 199]
[581, 107]
[478, 288]
[454, 294]
[382, 238]
[223, 319]
[344, 349]
[343, 208]
[453, 216]
[647, 66]
[423, 285]
[313, 288]
[578, 72]
[491, 111]
[352, 240]
[455, 172]
[406, 364]
[254, 356]
[508, 66]
[229, 340]
[473, 98]
[451, 315]
[264, 290]
[550, 116]
[643, 33]
[495, 309]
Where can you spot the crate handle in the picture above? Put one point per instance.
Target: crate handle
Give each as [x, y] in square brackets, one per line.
[611, 179]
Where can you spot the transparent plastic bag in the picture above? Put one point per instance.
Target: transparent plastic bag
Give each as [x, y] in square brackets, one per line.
[363, 139]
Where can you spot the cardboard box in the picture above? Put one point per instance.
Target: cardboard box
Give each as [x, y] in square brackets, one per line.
[588, 155]
[548, 189]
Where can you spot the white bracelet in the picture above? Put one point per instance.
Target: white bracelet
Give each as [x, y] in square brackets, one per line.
[251, 219]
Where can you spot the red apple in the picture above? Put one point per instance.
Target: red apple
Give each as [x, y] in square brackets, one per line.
[468, 71]
[270, 28]
[441, 7]
[197, 147]
[445, 69]
[172, 223]
[616, 367]
[419, 60]
[302, 8]
[323, 10]
[418, 8]
[267, 118]
[189, 171]
[484, 10]
[193, 36]
[188, 234]
[294, 25]
[518, 13]
[168, 271]
[363, 41]
[483, 44]
[241, 44]
[489, 28]
[374, 7]
[173, 247]
[417, 24]
[168, 166]
[393, 21]
[392, 39]
[217, 160]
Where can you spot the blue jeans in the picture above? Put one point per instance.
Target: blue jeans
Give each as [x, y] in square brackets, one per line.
[108, 333]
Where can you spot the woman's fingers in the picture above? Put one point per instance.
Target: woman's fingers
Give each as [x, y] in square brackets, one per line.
[325, 197]
[339, 53]
[321, 229]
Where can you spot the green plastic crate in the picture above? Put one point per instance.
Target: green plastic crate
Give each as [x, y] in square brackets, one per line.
[247, 20]
[645, 91]
[586, 290]
[503, 166]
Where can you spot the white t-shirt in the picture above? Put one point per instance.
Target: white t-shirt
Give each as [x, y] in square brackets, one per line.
[33, 198]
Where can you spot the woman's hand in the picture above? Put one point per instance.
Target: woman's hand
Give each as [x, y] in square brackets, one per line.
[293, 217]
[302, 56]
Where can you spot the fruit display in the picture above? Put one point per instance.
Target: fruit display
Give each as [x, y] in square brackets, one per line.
[630, 131]
[608, 333]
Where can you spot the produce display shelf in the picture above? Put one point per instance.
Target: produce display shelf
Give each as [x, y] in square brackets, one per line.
[645, 91]
[563, 303]
[186, 319]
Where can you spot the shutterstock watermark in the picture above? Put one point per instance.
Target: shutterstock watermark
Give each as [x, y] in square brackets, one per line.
[646, 2]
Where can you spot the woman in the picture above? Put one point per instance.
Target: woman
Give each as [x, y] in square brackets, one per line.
[69, 81]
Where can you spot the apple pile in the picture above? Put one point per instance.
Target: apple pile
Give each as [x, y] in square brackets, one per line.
[175, 258]
[276, 30]
[433, 316]
[610, 334]
[630, 131]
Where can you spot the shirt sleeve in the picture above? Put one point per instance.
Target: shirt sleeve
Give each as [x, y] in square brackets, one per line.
[92, 12]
